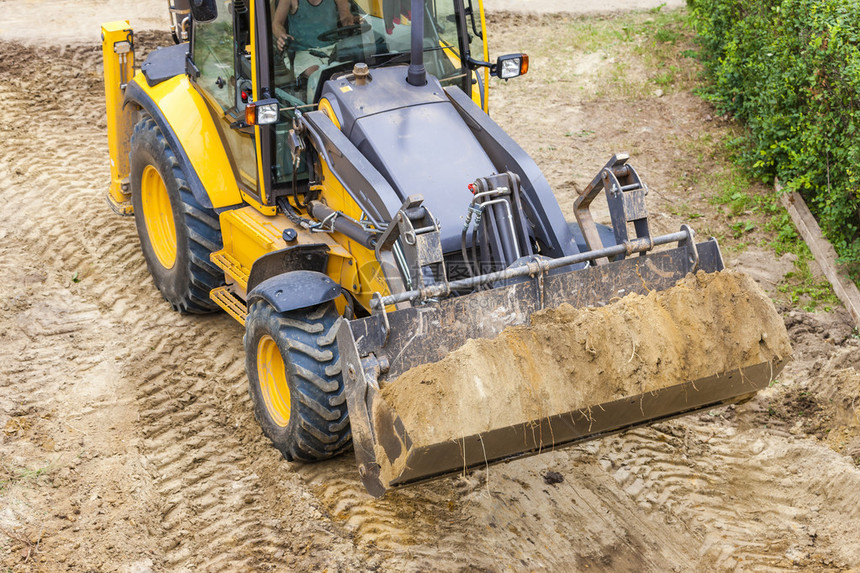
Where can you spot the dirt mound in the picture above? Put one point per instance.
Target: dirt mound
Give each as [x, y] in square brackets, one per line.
[706, 325]
[819, 393]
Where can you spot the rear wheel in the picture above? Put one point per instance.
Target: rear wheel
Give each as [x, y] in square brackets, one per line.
[177, 234]
[295, 382]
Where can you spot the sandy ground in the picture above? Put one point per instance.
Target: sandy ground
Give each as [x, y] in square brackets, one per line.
[127, 441]
[59, 21]
[54, 22]
[577, 6]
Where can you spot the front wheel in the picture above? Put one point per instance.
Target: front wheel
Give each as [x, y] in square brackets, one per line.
[295, 382]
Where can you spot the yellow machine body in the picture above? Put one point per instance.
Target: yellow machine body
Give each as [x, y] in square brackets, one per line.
[251, 228]
[186, 111]
[118, 53]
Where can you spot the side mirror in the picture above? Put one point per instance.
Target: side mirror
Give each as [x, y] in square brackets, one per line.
[204, 10]
[510, 66]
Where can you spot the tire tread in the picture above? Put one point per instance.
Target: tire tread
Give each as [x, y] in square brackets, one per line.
[321, 427]
[200, 224]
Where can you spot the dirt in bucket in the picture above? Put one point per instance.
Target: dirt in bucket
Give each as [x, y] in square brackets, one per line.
[573, 358]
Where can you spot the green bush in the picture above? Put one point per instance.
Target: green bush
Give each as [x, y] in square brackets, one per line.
[790, 70]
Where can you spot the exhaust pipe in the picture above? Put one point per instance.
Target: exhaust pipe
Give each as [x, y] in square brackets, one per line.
[417, 75]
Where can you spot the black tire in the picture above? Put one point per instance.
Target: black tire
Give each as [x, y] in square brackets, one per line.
[187, 282]
[317, 425]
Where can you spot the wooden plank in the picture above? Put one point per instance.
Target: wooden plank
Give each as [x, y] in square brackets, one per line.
[823, 252]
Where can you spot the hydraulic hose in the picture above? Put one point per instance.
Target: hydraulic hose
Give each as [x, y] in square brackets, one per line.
[464, 251]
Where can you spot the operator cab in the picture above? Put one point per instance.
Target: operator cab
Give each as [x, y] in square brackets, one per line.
[367, 35]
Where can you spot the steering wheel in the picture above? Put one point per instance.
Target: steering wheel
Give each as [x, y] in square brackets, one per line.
[337, 34]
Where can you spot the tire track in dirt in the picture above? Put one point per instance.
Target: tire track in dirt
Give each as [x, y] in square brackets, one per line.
[55, 413]
[215, 511]
[505, 514]
[718, 481]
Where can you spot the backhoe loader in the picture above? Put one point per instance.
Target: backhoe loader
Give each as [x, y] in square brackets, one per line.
[344, 194]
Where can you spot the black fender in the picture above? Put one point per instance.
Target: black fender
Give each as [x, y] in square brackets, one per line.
[295, 290]
[312, 257]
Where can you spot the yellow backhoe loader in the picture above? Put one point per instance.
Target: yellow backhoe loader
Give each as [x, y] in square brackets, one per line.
[329, 176]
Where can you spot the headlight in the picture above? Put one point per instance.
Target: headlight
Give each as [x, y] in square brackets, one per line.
[511, 66]
[262, 112]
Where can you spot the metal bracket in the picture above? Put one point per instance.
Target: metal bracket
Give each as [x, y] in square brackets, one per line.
[409, 245]
[377, 306]
[625, 195]
[359, 397]
[538, 269]
[297, 146]
[690, 244]
[122, 47]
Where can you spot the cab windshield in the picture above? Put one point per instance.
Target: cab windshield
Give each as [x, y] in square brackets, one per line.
[315, 40]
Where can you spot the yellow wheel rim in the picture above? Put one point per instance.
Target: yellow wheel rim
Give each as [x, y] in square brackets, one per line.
[273, 380]
[158, 215]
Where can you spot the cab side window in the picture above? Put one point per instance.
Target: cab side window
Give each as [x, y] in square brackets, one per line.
[221, 52]
[212, 49]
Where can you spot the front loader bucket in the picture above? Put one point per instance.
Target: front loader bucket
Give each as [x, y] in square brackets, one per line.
[394, 449]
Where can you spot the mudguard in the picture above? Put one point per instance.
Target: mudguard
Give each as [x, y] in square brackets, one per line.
[295, 290]
[192, 133]
[313, 257]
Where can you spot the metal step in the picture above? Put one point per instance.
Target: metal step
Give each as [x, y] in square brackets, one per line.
[123, 208]
[233, 268]
[231, 304]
